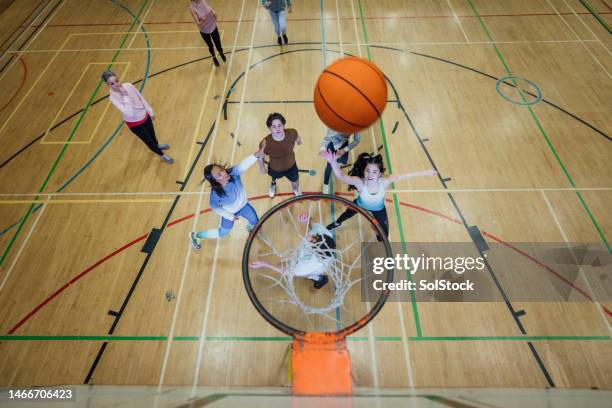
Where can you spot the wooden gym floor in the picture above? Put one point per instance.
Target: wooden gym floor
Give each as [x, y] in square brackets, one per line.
[80, 195]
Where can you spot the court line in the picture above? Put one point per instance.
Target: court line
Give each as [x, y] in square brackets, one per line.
[20, 25]
[232, 158]
[7, 120]
[403, 330]
[189, 249]
[5, 52]
[458, 21]
[392, 184]
[575, 259]
[101, 201]
[587, 27]
[64, 148]
[23, 81]
[330, 18]
[582, 43]
[187, 217]
[348, 44]
[289, 339]
[544, 134]
[603, 22]
[371, 334]
[142, 20]
[408, 190]
[23, 245]
[67, 99]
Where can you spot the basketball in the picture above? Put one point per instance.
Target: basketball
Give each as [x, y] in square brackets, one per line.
[350, 94]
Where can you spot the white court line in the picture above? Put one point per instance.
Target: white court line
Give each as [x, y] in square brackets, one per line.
[21, 248]
[202, 339]
[373, 44]
[582, 43]
[580, 271]
[403, 330]
[588, 28]
[30, 42]
[140, 25]
[371, 334]
[425, 190]
[458, 21]
[193, 228]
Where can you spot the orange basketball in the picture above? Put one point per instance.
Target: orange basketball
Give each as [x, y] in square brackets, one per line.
[350, 94]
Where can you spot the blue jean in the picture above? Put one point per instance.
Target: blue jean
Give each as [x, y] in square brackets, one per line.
[247, 212]
[342, 160]
[280, 24]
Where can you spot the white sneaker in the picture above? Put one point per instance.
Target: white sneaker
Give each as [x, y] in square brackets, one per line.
[167, 159]
[297, 193]
[272, 190]
[163, 146]
[325, 188]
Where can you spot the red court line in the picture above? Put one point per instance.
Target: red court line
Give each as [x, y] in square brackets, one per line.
[20, 25]
[23, 81]
[170, 224]
[329, 18]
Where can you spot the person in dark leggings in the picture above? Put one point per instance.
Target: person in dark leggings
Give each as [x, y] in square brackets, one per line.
[367, 178]
[206, 19]
[137, 113]
[338, 143]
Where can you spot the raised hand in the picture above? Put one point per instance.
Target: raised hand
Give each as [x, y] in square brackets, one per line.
[258, 265]
[329, 156]
[303, 218]
[260, 153]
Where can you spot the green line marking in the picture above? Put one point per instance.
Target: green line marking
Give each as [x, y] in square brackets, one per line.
[287, 339]
[66, 143]
[603, 22]
[415, 309]
[542, 131]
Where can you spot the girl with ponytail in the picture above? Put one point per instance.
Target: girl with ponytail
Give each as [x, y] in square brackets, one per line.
[367, 177]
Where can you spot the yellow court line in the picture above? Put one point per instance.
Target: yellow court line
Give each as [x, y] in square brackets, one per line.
[196, 134]
[7, 121]
[141, 33]
[59, 112]
[100, 201]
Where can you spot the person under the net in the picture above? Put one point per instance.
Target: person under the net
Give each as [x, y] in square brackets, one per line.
[313, 256]
[367, 177]
[228, 198]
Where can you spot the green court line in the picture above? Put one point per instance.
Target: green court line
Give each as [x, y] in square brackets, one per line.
[542, 131]
[413, 301]
[287, 339]
[595, 14]
[66, 143]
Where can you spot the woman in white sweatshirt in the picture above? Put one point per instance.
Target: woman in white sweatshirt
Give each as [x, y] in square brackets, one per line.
[137, 113]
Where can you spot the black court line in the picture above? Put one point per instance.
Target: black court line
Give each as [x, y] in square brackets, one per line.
[149, 253]
[477, 244]
[38, 27]
[601, 21]
[24, 148]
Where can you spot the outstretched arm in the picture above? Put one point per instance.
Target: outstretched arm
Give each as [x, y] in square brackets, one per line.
[331, 159]
[262, 264]
[398, 177]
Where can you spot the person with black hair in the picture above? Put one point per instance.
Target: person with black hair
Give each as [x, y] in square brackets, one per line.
[313, 256]
[338, 143]
[279, 145]
[137, 114]
[367, 178]
[228, 198]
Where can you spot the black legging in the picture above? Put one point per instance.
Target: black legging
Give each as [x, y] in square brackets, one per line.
[210, 38]
[380, 216]
[146, 132]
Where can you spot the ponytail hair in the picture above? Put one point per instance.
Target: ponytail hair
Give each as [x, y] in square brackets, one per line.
[362, 162]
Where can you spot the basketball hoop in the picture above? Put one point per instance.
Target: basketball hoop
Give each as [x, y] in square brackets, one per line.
[306, 281]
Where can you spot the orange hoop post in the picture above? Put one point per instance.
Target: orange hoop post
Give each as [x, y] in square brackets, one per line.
[321, 365]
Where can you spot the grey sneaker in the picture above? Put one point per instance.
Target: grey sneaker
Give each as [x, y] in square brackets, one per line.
[195, 241]
[167, 159]
[163, 146]
[325, 188]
